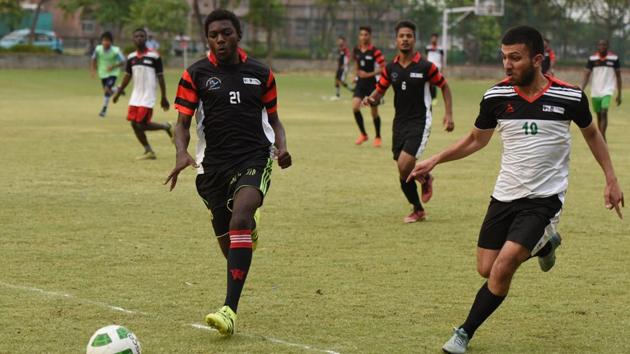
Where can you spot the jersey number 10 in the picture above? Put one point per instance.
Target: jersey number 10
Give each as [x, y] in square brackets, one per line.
[235, 97]
[531, 128]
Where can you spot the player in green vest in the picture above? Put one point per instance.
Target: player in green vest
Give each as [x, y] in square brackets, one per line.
[107, 60]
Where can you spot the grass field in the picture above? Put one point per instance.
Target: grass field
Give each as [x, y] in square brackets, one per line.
[85, 228]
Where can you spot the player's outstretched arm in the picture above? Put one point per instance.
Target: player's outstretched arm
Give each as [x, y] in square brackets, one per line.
[121, 88]
[474, 141]
[449, 124]
[613, 196]
[284, 158]
[182, 157]
[619, 86]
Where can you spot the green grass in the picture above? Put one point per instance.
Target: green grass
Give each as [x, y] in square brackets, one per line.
[335, 269]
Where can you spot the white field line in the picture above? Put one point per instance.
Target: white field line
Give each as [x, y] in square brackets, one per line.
[271, 339]
[120, 309]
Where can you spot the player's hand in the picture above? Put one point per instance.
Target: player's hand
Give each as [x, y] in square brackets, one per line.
[449, 124]
[618, 100]
[182, 160]
[367, 101]
[613, 196]
[422, 169]
[362, 74]
[284, 158]
[164, 103]
[116, 96]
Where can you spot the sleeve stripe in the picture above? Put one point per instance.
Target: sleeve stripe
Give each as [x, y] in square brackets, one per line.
[271, 103]
[273, 109]
[440, 83]
[187, 94]
[182, 102]
[186, 84]
[184, 110]
[186, 77]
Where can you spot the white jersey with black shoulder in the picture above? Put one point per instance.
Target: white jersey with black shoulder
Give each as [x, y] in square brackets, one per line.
[144, 67]
[535, 135]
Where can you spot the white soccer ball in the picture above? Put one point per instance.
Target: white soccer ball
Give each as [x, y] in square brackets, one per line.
[113, 339]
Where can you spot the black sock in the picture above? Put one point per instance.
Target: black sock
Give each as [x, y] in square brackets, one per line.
[485, 304]
[359, 118]
[411, 192]
[238, 262]
[377, 126]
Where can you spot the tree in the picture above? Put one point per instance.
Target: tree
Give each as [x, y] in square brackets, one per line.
[268, 14]
[38, 10]
[114, 13]
[11, 12]
[162, 16]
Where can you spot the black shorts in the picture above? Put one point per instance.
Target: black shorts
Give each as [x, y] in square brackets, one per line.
[109, 81]
[411, 139]
[364, 88]
[340, 74]
[217, 189]
[528, 222]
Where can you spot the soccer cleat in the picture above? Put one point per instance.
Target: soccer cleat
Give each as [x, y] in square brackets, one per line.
[103, 112]
[222, 320]
[415, 216]
[547, 262]
[170, 132]
[427, 189]
[377, 142]
[149, 155]
[361, 139]
[458, 342]
[434, 102]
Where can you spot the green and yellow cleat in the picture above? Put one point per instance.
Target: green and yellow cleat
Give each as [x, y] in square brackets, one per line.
[222, 320]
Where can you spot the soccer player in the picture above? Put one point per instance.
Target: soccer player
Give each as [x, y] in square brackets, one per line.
[343, 57]
[549, 60]
[435, 54]
[145, 67]
[604, 66]
[107, 59]
[533, 114]
[410, 75]
[239, 134]
[370, 61]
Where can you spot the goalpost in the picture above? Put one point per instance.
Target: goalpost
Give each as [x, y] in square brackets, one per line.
[481, 8]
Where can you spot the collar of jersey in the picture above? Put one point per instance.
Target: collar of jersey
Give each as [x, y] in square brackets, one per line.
[241, 54]
[370, 47]
[140, 54]
[415, 59]
[550, 81]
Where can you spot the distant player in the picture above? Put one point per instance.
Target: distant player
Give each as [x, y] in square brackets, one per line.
[145, 67]
[533, 114]
[410, 75]
[435, 54]
[107, 59]
[239, 134]
[605, 67]
[369, 63]
[549, 60]
[343, 57]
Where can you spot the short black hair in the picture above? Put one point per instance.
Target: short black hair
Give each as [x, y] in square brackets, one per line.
[529, 36]
[222, 14]
[406, 24]
[342, 38]
[368, 29]
[434, 34]
[140, 29]
[107, 35]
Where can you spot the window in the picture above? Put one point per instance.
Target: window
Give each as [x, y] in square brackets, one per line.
[88, 26]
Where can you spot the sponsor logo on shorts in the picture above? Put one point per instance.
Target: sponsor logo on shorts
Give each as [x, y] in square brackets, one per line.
[553, 109]
[251, 81]
[416, 75]
[213, 83]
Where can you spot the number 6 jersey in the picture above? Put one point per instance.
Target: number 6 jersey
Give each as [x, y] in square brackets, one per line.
[536, 136]
[233, 103]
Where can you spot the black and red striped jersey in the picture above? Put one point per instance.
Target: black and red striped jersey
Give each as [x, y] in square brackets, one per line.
[367, 59]
[412, 98]
[233, 103]
[343, 57]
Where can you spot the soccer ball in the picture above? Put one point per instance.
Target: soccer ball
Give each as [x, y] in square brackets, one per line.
[113, 339]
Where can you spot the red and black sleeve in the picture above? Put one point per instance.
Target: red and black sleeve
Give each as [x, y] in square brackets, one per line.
[379, 57]
[270, 96]
[436, 77]
[383, 83]
[186, 101]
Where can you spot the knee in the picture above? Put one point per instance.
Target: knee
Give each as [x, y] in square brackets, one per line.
[484, 270]
[502, 270]
[241, 220]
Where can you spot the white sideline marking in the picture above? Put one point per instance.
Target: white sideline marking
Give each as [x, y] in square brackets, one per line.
[271, 339]
[120, 309]
[68, 296]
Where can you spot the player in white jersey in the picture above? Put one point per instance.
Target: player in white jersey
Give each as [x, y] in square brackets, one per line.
[435, 54]
[146, 69]
[533, 113]
[604, 66]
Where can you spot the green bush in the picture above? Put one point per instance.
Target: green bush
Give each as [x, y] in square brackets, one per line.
[28, 49]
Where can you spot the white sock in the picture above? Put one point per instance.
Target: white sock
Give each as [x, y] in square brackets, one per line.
[105, 101]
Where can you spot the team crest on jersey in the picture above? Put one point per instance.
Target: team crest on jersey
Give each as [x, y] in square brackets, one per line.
[213, 83]
[251, 81]
[394, 76]
[553, 109]
[416, 75]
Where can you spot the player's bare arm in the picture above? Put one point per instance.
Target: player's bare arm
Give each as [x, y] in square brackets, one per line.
[93, 65]
[613, 196]
[449, 124]
[164, 101]
[471, 143]
[284, 158]
[587, 76]
[182, 157]
[619, 86]
[122, 87]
